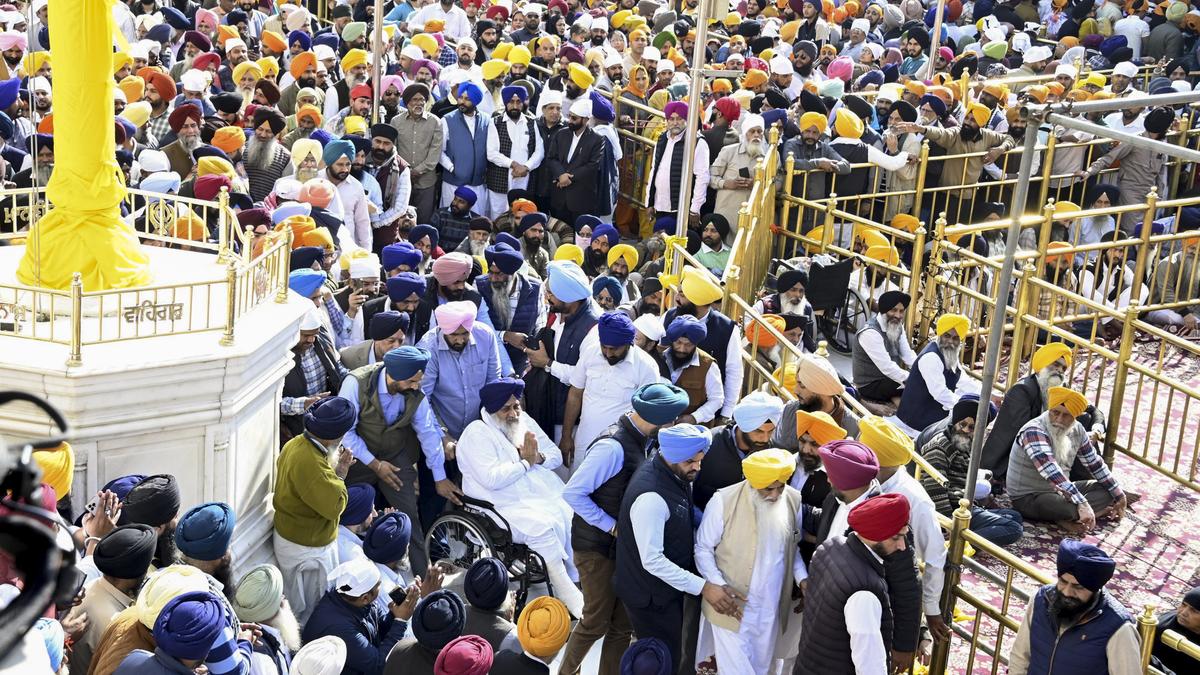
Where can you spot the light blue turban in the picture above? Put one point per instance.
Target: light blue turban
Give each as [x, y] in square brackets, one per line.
[681, 442]
[756, 410]
[567, 281]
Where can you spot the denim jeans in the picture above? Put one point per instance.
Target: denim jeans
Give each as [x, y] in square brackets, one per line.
[999, 526]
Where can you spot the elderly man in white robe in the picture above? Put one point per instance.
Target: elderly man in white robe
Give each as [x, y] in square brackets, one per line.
[509, 461]
[752, 526]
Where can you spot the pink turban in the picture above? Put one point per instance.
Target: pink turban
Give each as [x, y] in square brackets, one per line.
[454, 315]
[11, 39]
[451, 268]
[841, 68]
[391, 81]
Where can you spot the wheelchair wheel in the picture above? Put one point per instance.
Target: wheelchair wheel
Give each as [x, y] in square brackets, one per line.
[840, 329]
[458, 540]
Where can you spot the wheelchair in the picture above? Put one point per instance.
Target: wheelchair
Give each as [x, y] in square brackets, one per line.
[476, 530]
[840, 311]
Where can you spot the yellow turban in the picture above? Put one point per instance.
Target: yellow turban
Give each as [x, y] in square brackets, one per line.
[58, 468]
[786, 375]
[348, 256]
[787, 32]
[319, 237]
[884, 253]
[240, 70]
[138, 113]
[494, 68]
[519, 55]
[354, 57]
[299, 225]
[618, 18]
[163, 586]
[847, 124]
[133, 87]
[120, 60]
[819, 425]
[814, 119]
[1063, 210]
[1049, 353]
[501, 50]
[1096, 80]
[1037, 92]
[765, 467]
[356, 125]
[569, 252]
[892, 446]
[543, 626]
[215, 165]
[870, 236]
[998, 91]
[953, 322]
[753, 78]
[270, 67]
[582, 77]
[915, 87]
[699, 288]
[188, 225]
[34, 61]
[1074, 401]
[979, 113]
[906, 222]
[426, 42]
[721, 85]
[625, 251]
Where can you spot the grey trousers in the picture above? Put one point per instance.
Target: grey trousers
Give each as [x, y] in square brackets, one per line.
[1051, 506]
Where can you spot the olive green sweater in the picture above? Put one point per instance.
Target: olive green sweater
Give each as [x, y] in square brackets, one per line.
[309, 497]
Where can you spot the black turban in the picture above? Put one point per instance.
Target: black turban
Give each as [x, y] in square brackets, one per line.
[228, 102]
[919, 34]
[153, 502]
[810, 102]
[791, 278]
[414, 89]
[650, 286]
[385, 131]
[889, 300]
[1159, 120]
[385, 324]
[908, 113]
[126, 552]
[859, 106]
[271, 116]
[718, 221]
[794, 321]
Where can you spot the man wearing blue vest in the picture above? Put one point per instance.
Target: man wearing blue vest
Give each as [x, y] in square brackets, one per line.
[698, 298]
[935, 382]
[1073, 625]
[464, 144]
[513, 301]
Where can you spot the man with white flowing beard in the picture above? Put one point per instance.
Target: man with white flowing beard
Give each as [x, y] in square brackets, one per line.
[514, 301]
[881, 355]
[1043, 455]
[936, 380]
[733, 170]
[767, 512]
[258, 598]
[265, 159]
[508, 460]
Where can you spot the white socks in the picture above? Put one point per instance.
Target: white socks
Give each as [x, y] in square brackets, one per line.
[564, 589]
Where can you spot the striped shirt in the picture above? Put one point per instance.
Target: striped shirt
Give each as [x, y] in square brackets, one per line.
[1034, 446]
[262, 181]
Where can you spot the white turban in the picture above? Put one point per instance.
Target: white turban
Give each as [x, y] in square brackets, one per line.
[323, 656]
[194, 80]
[1125, 68]
[1066, 69]
[582, 108]
[751, 121]
[861, 24]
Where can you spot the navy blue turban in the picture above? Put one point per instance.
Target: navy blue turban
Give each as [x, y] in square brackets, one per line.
[531, 219]
[6, 126]
[438, 619]
[486, 584]
[122, 485]
[175, 18]
[360, 501]
[615, 329]
[204, 532]
[301, 37]
[495, 394]
[209, 151]
[504, 258]
[648, 656]
[665, 224]
[936, 104]
[506, 238]
[587, 221]
[385, 324]
[360, 144]
[160, 33]
[607, 283]
[330, 418]
[968, 406]
[329, 40]
[306, 256]
[466, 194]
[386, 541]
[421, 231]
[507, 93]
[1090, 566]
[659, 403]
[404, 362]
[403, 253]
[403, 285]
[602, 108]
[686, 326]
[190, 625]
[607, 231]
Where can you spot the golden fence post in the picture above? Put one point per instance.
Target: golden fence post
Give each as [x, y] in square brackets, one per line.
[1147, 623]
[827, 233]
[1184, 125]
[1120, 381]
[940, 657]
[1047, 166]
[1044, 235]
[789, 168]
[1022, 307]
[231, 304]
[223, 252]
[75, 358]
[927, 303]
[914, 279]
[919, 188]
[1143, 251]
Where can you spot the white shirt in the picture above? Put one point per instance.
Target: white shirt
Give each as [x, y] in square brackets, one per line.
[574, 142]
[714, 391]
[932, 369]
[356, 219]
[457, 24]
[607, 390]
[518, 133]
[872, 343]
[1134, 29]
[648, 514]
[662, 176]
[841, 517]
[863, 614]
[733, 370]
[1116, 120]
[927, 536]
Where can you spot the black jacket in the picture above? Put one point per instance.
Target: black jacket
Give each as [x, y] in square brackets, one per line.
[584, 167]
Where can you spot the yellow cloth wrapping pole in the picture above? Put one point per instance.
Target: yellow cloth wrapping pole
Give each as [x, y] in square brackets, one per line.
[83, 231]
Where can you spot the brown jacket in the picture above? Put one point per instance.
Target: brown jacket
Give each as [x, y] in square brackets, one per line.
[124, 634]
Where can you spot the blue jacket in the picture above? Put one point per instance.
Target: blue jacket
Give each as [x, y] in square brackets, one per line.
[467, 150]
[1080, 650]
[369, 632]
[142, 662]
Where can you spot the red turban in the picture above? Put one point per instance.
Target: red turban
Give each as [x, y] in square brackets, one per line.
[183, 113]
[880, 518]
[729, 109]
[466, 655]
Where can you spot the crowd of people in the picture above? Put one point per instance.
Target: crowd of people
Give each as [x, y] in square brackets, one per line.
[490, 319]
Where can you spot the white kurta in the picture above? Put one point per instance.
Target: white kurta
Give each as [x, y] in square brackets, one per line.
[349, 545]
[750, 651]
[607, 391]
[529, 499]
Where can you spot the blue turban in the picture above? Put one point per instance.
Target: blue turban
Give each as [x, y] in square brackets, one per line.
[968, 406]
[773, 116]
[403, 285]
[681, 442]
[983, 7]
[55, 638]
[531, 219]
[301, 37]
[190, 625]
[330, 418]
[360, 144]
[472, 91]
[6, 126]
[615, 329]
[304, 257]
[686, 326]
[175, 18]
[587, 221]
[162, 182]
[659, 403]
[321, 136]
[203, 533]
[400, 253]
[160, 33]
[1112, 44]
[360, 501]
[486, 584]
[567, 281]
[495, 394]
[329, 40]
[209, 151]
[385, 324]
[386, 541]
[421, 231]
[891, 72]
[438, 619]
[506, 238]
[870, 77]
[285, 211]
[335, 150]
[507, 93]
[121, 486]
[504, 258]
[466, 194]
[602, 108]
[648, 656]
[36, 142]
[757, 409]
[935, 103]
[306, 282]
[665, 224]
[1090, 566]
[606, 282]
[404, 362]
[608, 231]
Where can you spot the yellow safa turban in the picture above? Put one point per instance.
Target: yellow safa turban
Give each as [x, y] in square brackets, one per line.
[58, 468]
[270, 67]
[698, 288]
[163, 586]
[426, 42]
[953, 322]
[892, 446]
[885, 253]
[814, 119]
[819, 425]
[319, 237]
[753, 78]
[543, 626]
[1074, 401]
[519, 55]
[493, 68]
[34, 61]
[979, 112]
[570, 252]
[355, 125]
[1049, 353]
[133, 87]
[354, 57]
[768, 466]
[240, 70]
[581, 76]
[215, 165]
[625, 251]
[847, 124]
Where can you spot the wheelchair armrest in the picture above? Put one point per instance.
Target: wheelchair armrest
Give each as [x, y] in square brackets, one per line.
[477, 503]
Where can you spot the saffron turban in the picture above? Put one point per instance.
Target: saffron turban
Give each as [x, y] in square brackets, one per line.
[465, 655]
[892, 446]
[386, 541]
[204, 531]
[306, 281]
[682, 442]
[164, 585]
[438, 619]
[684, 326]
[1074, 401]
[623, 251]
[386, 324]
[190, 625]
[881, 517]
[360, 502]
[818, 375]
[401, 253]
[849, 464]
[302, 62]
[699, 288]
[567, 282]
[404, 285]
[615, 329]
[647, 656]
[765, 467]
[1049, 353]
[58, 467]
[609, 284]
[503, 258]
[404, 362]
[819, 425]
[756, 409]
[1090, 566]
[451, 268]
[154, 501]
[126, 552]
[953, 322]
[544, 626]
[259, 593]
[486, 584]
[329, 418]
[229, 139]
[495, 394]
[421, 231]
[323, 656]
[659, 403]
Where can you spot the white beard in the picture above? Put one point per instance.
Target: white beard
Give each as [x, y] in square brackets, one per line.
[893, 332]
[771, 519]
[1063, 448]
[189, 143]
[289, 629]
[477, 247]
[753, 148]
[1045, 380]
[259, 154]
[305, 175]
[788, 306]
[514, 432]
[952, 357]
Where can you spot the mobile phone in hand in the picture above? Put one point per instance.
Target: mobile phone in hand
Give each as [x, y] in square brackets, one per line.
[398, 594]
